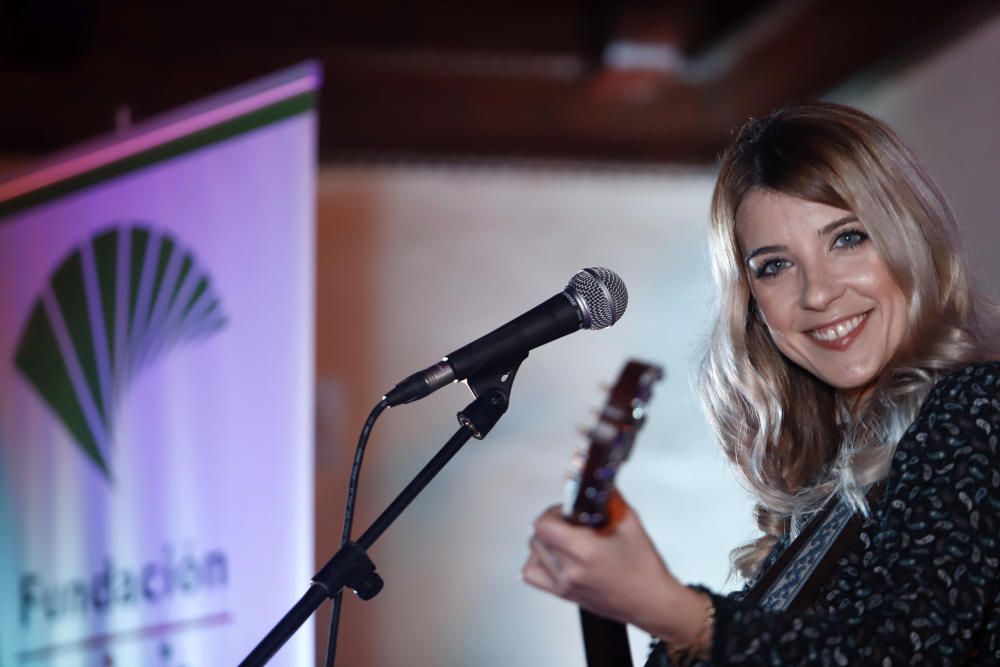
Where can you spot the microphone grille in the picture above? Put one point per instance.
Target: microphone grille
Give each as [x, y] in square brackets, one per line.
[603, 293]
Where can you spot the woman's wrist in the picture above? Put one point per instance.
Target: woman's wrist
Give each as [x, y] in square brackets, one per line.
[700, 647]
[686, 625]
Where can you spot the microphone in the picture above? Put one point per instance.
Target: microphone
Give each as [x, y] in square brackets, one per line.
[594, 298]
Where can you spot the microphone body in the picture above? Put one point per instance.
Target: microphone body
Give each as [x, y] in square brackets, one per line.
[594, 298]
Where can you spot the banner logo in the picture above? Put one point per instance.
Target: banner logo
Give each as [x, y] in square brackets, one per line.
[114, 305]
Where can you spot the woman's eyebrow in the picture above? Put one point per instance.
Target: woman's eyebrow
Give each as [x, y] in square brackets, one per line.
[763, 250]
[823, 231]
[839, 222]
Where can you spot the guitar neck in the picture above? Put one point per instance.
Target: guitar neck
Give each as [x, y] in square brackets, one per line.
[605, 642]
[590, 493]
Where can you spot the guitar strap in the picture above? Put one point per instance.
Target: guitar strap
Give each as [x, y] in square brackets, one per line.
[796, 577]
[786, 584]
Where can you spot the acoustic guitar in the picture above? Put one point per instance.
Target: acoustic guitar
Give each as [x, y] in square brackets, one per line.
[590, 491]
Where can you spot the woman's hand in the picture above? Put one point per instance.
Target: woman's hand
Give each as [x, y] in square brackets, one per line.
[614, 572]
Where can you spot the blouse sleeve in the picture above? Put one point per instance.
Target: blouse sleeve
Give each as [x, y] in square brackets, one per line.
[657, 650]
[930, 572]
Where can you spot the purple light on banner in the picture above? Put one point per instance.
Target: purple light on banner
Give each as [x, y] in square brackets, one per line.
[152, 561]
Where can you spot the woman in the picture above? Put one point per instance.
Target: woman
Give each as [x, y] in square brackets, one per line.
[848, 363]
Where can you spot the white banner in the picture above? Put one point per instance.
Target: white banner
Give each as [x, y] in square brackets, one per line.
[156, 381]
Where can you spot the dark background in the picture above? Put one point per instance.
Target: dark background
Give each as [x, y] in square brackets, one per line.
[550, 79]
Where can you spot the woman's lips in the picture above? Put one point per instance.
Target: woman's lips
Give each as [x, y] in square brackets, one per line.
[840, 335]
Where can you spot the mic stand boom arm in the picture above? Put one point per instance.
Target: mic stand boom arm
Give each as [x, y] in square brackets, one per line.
[351, 566]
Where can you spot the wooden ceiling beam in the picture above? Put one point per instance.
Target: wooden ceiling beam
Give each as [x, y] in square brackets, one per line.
[798, 49]
[434, 99]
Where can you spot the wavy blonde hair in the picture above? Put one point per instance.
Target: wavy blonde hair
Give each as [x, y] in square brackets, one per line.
[789, 434]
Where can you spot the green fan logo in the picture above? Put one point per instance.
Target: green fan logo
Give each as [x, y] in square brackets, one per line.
[114, 305]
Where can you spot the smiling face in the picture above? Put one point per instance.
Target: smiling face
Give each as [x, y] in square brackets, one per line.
[827, 296]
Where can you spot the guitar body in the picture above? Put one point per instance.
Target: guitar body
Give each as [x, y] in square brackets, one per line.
[590, 499]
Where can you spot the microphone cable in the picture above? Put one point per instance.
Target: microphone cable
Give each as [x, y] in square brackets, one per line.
[352, 494]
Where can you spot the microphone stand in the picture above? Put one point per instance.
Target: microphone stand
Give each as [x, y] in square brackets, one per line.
[351, 566]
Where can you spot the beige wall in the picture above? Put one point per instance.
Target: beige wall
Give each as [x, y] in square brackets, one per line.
[415, 262]
[947, 109]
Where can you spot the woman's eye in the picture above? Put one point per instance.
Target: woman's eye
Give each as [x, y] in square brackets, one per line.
[850, 238]
[771, 268]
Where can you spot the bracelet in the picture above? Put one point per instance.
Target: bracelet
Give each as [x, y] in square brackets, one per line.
[700, 646]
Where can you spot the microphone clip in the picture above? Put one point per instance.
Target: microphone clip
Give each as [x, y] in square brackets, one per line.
[491, 387]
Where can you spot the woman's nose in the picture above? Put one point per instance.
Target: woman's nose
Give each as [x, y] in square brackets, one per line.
[819, 288]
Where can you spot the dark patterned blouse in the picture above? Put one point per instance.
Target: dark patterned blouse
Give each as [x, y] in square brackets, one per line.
[920, 584]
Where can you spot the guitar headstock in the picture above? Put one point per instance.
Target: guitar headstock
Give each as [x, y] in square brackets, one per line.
[592, 479]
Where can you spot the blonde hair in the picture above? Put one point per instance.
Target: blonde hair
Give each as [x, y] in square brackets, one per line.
[792, 439]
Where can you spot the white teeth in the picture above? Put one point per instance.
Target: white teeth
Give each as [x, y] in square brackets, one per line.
[838, 330]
